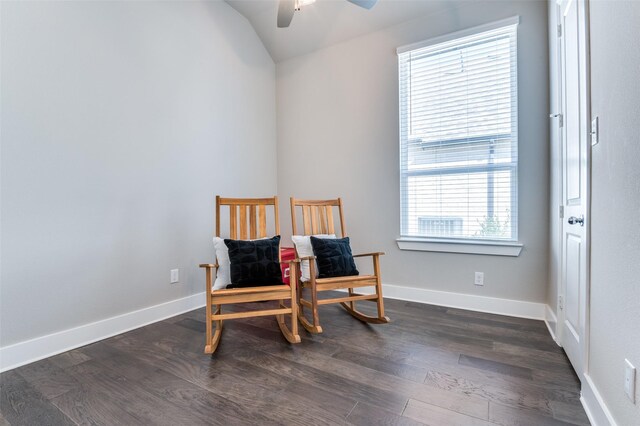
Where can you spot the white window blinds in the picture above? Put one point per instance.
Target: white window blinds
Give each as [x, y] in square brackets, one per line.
[459, 137]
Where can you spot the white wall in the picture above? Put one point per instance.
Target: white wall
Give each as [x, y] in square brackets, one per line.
[338, 136]
[120, 122]
[615, 230]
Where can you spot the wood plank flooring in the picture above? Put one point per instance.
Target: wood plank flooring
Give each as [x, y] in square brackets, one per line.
[431, 366]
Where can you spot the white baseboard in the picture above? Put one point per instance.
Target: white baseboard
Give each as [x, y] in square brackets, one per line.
[552, 322]
[594, 406]
[22, 353]
[492, 305]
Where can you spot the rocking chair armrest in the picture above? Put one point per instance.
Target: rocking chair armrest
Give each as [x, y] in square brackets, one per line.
[209, 265]
[377, 253]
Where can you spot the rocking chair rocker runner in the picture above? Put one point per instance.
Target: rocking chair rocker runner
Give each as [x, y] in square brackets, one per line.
[317, 218]
[253, 211]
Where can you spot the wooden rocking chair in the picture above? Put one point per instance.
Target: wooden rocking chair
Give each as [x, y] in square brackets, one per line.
[253, 210]
[317, 218]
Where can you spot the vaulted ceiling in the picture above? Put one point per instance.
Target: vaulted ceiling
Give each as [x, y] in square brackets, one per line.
[327, 22]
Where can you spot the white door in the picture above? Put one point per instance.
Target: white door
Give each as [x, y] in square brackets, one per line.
[575, 144]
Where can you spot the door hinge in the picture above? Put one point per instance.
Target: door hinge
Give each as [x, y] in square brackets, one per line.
[559, 30]
[560, 303]
[560, 118]
[561, 212]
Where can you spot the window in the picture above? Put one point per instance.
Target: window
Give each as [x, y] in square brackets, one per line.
[459, 136]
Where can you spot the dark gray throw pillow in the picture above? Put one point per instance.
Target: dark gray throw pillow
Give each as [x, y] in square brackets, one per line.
[333, 257]
[254, 263]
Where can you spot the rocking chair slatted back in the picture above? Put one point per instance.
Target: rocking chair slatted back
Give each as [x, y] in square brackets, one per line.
[317, 216]
[247, 217]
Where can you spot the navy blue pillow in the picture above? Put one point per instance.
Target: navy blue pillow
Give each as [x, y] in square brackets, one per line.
[333, 257]
[254, 263]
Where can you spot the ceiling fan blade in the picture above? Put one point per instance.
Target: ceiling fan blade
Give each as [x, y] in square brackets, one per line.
[367, 4]
[286, 8]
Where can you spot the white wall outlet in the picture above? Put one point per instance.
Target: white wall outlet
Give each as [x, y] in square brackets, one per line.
[175, 276]
[630, 380]
[479, 280]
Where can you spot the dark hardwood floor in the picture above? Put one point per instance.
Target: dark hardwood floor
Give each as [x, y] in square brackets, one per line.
[432, 365]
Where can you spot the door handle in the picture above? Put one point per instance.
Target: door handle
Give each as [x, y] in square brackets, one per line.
[579, 220]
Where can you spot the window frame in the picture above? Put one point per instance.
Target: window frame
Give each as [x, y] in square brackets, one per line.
[505, 247]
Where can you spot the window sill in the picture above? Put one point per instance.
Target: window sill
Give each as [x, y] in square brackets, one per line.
[493, 248]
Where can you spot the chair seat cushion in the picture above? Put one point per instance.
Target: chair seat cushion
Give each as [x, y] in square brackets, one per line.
[254, 263]
[334, 257]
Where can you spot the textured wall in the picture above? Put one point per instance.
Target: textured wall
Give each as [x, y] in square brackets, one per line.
[338, 136]
[120, 122]
[615, 203]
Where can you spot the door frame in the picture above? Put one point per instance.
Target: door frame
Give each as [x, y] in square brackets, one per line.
[585, 64]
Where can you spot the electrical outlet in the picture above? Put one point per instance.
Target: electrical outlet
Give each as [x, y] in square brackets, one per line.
[175, 276]
[479, 278]
[630, 380]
